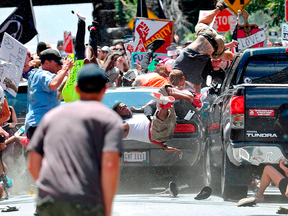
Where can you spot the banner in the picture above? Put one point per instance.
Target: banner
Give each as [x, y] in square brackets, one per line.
[138, 56]
[20, 24]
[147, 30]
[12, 58]
[69, 92]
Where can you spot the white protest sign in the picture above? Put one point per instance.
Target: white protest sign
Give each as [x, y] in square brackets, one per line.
[203, 13]
[251, 40]
[284, 32]
[130, 48]
[12, 56]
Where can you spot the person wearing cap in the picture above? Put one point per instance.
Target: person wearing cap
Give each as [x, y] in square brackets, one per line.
[105, 51]
[42, 87]
[81, 145]
[208, 44]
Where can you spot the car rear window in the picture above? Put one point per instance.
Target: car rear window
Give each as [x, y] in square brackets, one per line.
[270, 69]
[136, 99]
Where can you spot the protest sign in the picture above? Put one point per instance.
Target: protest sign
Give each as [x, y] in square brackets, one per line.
[12, 58]
[284, 32]
[138, 56]
[250, 35]
[69, 92]
[147, 30]
[68, 43]
[130, 47]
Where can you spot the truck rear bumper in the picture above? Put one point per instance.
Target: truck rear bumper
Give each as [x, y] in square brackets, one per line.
[241, 154]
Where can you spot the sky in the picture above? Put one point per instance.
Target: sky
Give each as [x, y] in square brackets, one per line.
[51, 21]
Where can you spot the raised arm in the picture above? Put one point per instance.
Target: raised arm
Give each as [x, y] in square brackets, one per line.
[57, 80]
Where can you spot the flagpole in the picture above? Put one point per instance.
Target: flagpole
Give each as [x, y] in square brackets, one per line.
[34, 20]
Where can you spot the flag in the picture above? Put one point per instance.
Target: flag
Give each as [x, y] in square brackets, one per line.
[142, 9]
[20, 24]
[161, 14]
[234, 37]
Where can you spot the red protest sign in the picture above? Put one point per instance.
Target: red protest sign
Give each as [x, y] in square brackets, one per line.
[148, 30]
[68, 43]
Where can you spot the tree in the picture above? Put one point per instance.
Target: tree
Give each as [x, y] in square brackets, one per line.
[274, 8]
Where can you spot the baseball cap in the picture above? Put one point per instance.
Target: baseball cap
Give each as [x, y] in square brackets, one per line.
[51, 54]
[106, 48]
[91, 78]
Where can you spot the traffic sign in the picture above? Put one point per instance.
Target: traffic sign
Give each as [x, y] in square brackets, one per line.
[236, 5]
[224, 21]
[286, 10]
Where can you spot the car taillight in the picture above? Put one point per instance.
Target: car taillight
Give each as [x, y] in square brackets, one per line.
[237, 105]
[184, 128]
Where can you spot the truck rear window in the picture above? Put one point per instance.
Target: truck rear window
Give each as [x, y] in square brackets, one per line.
[272, 70]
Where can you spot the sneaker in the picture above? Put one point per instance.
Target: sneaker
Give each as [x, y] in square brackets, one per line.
[221, 5]
[162, 99]
[204, 193]
[173, 189]
[156, 44]
[250, 201]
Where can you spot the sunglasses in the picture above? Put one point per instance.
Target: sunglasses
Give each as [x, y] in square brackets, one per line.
[118, 49]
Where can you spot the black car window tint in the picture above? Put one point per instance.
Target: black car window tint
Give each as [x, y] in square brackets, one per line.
[266, 69]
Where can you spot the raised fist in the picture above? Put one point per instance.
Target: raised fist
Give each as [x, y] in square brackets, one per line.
[142, 30]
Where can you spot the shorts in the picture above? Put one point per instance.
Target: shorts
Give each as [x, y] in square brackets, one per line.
[162, 131]
[192, 64]
[283, 186]
[57, 207]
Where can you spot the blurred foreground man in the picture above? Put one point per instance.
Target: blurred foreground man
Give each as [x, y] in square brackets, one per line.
[74, 155]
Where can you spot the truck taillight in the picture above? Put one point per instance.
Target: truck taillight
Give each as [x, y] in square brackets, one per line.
[184, 128]
[237, 105]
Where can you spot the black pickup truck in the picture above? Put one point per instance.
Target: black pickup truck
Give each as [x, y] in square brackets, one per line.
[247, 121]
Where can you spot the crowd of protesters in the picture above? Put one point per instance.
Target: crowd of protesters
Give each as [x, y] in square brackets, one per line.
[47, 71]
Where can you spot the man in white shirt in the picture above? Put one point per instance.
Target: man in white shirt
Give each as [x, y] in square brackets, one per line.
[159, 130]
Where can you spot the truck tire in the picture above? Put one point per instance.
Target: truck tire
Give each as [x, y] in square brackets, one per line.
[211, 174]
[228, 191]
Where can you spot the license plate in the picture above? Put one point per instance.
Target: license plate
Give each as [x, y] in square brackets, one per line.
[135, 157]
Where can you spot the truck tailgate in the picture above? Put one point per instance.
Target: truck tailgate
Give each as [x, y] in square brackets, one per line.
[266, 113]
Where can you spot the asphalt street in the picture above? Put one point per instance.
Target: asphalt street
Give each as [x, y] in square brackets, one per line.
[163, 205]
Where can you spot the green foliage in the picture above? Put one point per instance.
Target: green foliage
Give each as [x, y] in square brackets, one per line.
[125, 12]
[189, 37]
[274, 8]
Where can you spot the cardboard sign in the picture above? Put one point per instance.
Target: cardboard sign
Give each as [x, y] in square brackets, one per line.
[284, 32]
[147, 30]
[261, 112]
[12, 56]
[138, 56]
